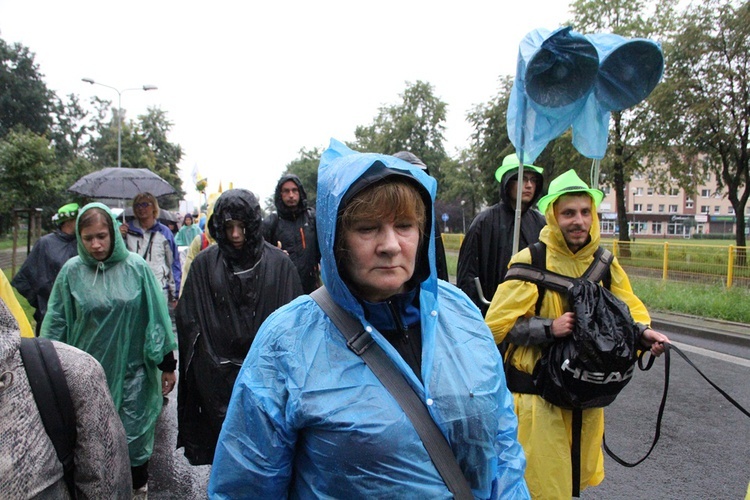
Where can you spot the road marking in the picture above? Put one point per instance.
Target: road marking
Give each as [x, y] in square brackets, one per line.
[713, 354]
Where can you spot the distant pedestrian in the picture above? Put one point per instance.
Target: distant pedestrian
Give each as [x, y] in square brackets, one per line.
[37, 274]
[292, 228]
[488, 245]
[231, 289]
[153, 241]
[107, 302]
[187, 232]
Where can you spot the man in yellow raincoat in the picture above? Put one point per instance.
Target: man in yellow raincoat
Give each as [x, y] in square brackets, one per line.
[544, 430]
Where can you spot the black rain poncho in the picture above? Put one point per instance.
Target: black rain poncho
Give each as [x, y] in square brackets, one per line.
[226, 297]
[37, 274]
[488, 245]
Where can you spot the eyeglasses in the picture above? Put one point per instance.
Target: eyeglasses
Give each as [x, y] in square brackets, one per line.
[144, 204]
[529, 179]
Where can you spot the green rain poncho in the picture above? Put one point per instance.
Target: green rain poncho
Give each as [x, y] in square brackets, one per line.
[115, 311]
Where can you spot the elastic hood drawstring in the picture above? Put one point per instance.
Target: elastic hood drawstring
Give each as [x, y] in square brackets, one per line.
[100, 265]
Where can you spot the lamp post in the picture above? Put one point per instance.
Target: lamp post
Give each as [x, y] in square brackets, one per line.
[463, 218]
[119, 111]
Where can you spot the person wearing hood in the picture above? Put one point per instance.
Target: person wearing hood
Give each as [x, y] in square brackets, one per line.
[107, 302]
[37, 274]
[309, 419]
[187, 232]
[232, 288]
[292, 229]
[153, 241]
[571, 237]
[488, 246]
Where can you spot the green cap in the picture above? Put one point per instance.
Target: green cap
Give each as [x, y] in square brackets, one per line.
[66, 213]
[569, 182]
[510, 162]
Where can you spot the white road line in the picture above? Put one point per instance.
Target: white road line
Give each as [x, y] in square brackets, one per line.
[713, 354]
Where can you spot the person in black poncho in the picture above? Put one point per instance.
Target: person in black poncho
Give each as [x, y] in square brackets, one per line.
[232, 288]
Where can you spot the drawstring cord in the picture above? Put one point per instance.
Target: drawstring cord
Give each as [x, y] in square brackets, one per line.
[100, 265]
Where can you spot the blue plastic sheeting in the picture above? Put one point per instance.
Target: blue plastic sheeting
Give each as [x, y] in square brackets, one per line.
[556, 71]
[628, 72]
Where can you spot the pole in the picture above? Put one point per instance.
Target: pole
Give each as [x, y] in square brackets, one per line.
[119, 110]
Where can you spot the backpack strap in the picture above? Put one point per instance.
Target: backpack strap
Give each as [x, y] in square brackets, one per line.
[52, 397]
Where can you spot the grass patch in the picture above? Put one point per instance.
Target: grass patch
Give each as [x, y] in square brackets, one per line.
[710, 301]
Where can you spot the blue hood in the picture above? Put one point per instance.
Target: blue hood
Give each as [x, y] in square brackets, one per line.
[340, 169]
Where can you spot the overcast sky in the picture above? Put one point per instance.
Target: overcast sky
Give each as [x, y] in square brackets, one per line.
[247, 84]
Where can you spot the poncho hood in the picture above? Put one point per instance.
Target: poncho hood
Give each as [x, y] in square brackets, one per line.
[284, 211]
[240, 205]
[342, 174]
[119, 251]
[552, 236]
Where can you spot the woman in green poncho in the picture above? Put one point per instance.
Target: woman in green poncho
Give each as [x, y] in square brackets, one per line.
[187, 232]
[107, 302]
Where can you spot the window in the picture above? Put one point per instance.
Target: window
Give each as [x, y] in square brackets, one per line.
[606, 190]
[705, 209]
[672, 209]
[717, 209]
[649, 207]
[705, 193]
[688, 203]
[674, 191]
[650, 191]
[607, 227]
[731, 211]
[661, 208]
[656, 228]
[638, 207]
[638, 191]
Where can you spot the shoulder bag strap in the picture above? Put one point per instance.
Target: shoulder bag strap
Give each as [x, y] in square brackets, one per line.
[52, 396]
[360, 341]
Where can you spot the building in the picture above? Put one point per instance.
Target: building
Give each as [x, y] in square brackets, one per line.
[657, 214]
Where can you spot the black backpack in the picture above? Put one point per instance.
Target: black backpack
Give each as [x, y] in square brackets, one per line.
[588, 368]
[52, 397]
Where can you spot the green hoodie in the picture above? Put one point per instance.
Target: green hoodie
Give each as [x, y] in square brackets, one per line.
[115, 311]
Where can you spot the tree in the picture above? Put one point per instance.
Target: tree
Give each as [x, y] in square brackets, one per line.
[24, 97]
[703, 106]
[415, 125]
[27, 173]
[627, 147]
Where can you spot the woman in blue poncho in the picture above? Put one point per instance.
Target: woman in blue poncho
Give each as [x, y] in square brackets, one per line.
[309, 419]
[107, 302]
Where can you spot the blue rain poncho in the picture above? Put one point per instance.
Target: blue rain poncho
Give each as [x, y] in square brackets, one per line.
[115, 311]
[308, 418]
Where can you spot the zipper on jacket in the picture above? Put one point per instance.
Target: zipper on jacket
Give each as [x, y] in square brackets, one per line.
[399, 325]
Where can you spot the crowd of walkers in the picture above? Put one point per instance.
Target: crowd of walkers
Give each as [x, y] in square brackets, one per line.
[321, 351]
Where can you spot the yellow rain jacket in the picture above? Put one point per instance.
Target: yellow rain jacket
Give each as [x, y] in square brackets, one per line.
[544, 430]
[10, 300]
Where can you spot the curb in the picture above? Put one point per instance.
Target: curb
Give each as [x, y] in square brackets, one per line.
[701, 330]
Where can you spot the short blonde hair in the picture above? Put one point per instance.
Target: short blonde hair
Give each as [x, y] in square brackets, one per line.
[146, 196]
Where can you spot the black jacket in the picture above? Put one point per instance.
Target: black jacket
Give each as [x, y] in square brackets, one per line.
[218, 315]
[37, 274]
[296, 231]
[488, 245]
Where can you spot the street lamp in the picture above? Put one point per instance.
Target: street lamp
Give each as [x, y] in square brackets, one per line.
[463, 218]
[119, 111]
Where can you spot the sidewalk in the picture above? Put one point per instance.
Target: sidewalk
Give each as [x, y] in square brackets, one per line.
[713, 329]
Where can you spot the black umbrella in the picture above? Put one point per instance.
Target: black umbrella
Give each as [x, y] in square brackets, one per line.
[121, 184]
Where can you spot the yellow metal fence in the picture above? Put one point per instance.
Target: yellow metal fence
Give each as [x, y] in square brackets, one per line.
[684, 262]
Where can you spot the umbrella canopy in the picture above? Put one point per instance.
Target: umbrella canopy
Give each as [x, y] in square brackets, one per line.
[121, 184]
